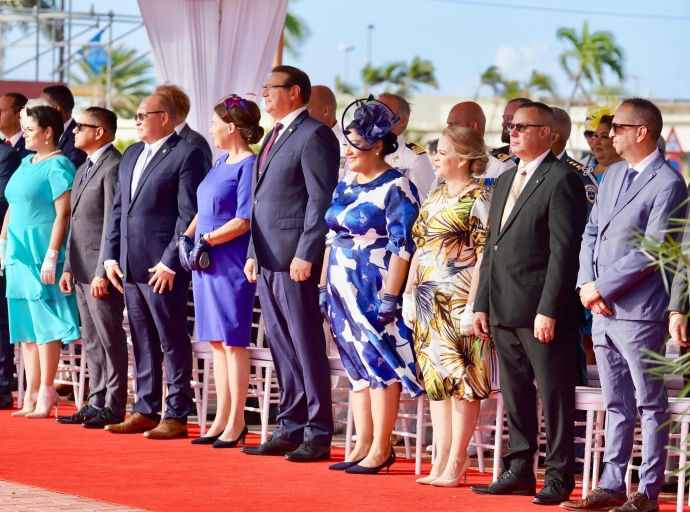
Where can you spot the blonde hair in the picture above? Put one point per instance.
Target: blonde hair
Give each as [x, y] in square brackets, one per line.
[468, 143]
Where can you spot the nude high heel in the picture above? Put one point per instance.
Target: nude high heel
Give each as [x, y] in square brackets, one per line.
[444, 482]
[44, 414]
[428, 479]
[26, 410]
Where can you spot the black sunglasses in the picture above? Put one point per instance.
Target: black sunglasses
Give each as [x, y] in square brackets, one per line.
[615, 126]
[589, 134]
[143, 115]
[81, 126]
[522, 127]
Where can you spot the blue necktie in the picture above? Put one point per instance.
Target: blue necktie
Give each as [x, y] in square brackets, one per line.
[627, 181]
[87, 167]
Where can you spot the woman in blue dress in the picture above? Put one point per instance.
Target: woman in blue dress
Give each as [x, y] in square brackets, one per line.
[223, 298]
[368, 250]
[32, 246]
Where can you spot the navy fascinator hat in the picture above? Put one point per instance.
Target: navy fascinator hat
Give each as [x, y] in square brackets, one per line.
[372, 121]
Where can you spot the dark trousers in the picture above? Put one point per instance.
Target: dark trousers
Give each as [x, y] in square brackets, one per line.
[105, 344]
[6, 348]
[522, 358]
[159, 322]
[294, 327]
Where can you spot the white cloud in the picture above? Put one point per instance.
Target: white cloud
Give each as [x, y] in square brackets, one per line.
[517, 63]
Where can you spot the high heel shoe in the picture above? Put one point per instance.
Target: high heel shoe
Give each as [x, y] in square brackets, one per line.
[342, 466]
[206, 440]
[232, 444]
[25, 410]
[362, 470]
[443, 482]
[426, 480]
[46, 413]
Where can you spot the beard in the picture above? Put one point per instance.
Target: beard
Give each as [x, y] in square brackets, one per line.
[505, 136]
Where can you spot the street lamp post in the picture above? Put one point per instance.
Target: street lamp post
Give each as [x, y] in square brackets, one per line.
[346, 51]
[370, 29]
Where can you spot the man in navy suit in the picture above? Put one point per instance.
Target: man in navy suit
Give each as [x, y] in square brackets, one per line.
[154, 202]
[182, 107]
[11, 105]
[9, 162]
[294, 178]
[61, 99]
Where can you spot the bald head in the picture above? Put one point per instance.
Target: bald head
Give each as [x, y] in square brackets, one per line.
[562, 126]
[322, 105]
[467, 114]
[159, 117]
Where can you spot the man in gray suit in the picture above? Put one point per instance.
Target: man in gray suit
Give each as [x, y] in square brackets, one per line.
[101, 306]
[637, 197]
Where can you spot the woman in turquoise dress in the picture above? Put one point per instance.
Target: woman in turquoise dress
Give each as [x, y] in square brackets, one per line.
[32, 247]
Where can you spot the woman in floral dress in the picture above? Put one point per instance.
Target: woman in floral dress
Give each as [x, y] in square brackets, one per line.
[450, 233]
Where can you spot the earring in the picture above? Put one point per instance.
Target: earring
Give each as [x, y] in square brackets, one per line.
[377, 154]
[46, 142]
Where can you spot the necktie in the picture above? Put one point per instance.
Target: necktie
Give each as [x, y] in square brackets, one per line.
[269, 145]
[8, 142]
[514, 194]
[627, 181]
[87, 167]
[139, 170]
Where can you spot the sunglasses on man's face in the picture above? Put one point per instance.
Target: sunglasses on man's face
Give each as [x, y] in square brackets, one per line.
[522, 127]
[82, 126]
[615, 126]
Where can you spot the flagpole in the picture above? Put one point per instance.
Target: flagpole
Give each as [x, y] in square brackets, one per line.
[109, 78]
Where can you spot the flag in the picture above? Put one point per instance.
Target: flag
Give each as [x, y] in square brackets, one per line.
[94, 55]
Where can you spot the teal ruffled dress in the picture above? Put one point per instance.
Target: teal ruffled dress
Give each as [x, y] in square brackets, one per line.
[37, 312]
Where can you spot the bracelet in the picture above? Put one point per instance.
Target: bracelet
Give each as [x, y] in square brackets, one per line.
[671, 313]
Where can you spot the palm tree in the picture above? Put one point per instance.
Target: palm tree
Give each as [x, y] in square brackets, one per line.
[538, 82]
[589, 55]
[491, 77]
[296, 31]
[130, 80]
[419, 72]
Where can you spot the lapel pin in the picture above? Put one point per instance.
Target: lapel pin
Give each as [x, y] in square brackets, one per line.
[290, 130]
[164, 150]
[537, 181]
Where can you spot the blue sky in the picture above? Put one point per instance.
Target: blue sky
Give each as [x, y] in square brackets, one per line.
[463, 39]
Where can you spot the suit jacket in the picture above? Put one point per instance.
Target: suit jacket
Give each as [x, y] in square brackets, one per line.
[143, 230]
[20, 147]
[66, 145]
[9, 162]
[91, 202]
[198, 140]
[622, 274]
[530, 266]
[292, 195]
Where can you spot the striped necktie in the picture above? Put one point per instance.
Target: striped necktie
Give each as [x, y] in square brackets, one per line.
[627, 181]
[87, 167]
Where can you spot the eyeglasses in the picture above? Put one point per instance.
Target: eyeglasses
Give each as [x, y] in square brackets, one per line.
[589, 134]
[522, 127]
[81, 126]
[269, 87]
[615, 126]
[140, 116]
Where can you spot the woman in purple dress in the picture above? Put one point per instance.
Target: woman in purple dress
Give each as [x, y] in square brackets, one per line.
[223, 298]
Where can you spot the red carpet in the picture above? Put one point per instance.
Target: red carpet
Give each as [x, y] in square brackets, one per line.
[174, 475]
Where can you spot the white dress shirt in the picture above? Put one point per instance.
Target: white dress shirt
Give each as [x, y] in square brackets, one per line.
[644, 164]
[287, 121]
[96, 155]
[530, 168]
[560, 155]
[180, 127]
[136, 175]
[15, 138]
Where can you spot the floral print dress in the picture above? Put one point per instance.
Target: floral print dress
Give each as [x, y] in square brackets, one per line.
[367, 224]
[449, 234]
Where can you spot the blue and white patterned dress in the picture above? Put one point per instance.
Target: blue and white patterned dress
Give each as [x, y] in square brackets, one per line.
[367, 224]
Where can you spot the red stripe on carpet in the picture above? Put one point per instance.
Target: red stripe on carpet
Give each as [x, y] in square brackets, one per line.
[175, 475]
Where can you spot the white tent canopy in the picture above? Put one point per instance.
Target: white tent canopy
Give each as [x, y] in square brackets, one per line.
[212, 48]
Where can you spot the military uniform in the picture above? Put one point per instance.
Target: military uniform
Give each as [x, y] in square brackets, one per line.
[411, 160]
[494, 169]
[588, 160]
[503, 154]
[588, 179]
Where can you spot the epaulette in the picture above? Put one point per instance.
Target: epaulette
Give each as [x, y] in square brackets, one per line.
[414, 147]
[575, 163]
[501, 156]
[503, 149]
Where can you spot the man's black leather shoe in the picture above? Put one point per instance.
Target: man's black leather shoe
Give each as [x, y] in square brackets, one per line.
[553, 493]
[6, 401]
[274, 446]
[508, 483]
[102, 418]
[84, 414]
[309, 452]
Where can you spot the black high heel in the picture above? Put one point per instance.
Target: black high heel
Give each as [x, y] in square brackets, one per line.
[206, 440]
[232, 444]
[342, 466]
[361, 470]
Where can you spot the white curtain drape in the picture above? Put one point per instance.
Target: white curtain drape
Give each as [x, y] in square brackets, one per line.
[212, 48]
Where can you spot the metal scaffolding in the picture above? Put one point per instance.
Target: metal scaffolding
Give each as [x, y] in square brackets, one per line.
[60, 33]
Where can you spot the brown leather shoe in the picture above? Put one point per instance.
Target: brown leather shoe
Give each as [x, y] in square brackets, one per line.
[638, 503]
[137, 422]
[169, 428]
[597, 499]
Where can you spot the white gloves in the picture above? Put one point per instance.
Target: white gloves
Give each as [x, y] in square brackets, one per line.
[3, 246]
[408, 309]
[467, 320]
[49, 266]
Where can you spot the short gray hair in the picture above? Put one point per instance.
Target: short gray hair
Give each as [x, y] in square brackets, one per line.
[404, 106]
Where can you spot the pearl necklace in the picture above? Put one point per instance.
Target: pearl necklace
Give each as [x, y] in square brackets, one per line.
[40, 159]
[460, 190]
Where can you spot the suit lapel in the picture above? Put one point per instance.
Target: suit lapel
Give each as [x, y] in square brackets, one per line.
[184, 131]
[288, 130]
[535, 180]
[126, 172]
[156, 159]
[82, 185]
[500, 197]
[640, 182]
